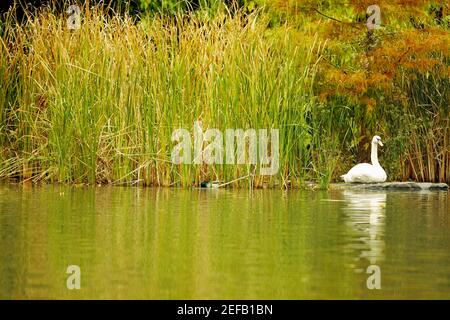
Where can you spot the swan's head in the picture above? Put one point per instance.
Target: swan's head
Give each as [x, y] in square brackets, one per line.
[377, 140]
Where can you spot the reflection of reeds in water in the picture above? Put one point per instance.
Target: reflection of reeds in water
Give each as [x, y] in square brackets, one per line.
[365, 216]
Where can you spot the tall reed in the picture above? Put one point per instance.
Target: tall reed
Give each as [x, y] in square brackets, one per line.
[99, 104]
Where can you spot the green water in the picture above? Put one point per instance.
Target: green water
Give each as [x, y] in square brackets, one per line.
[222, 244]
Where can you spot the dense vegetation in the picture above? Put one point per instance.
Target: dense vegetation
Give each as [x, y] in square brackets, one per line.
[99, 104]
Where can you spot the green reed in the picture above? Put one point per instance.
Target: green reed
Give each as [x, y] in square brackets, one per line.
[99, 104]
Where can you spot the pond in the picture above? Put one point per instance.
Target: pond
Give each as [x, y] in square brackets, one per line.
[143, 243]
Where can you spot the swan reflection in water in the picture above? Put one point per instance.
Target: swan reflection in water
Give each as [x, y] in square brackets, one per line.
[365, 214]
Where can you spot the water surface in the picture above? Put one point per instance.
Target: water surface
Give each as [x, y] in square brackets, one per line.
[136, 243]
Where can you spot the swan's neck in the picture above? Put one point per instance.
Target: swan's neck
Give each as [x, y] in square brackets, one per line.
[374, 155]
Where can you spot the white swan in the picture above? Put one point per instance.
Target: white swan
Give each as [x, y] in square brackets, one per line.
[365, 172]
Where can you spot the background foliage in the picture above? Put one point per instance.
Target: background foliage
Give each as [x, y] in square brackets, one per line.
[99, 105]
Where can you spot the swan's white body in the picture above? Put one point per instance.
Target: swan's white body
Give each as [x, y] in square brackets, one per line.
[366, 172]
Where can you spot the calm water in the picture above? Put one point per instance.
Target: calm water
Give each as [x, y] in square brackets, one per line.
[222, 244]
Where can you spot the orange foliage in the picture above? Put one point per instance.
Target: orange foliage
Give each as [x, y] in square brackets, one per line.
[375, 59]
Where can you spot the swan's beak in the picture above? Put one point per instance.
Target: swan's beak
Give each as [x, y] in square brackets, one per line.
[380, 143]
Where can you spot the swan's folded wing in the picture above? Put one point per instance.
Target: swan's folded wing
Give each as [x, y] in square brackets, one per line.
[362, 172]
